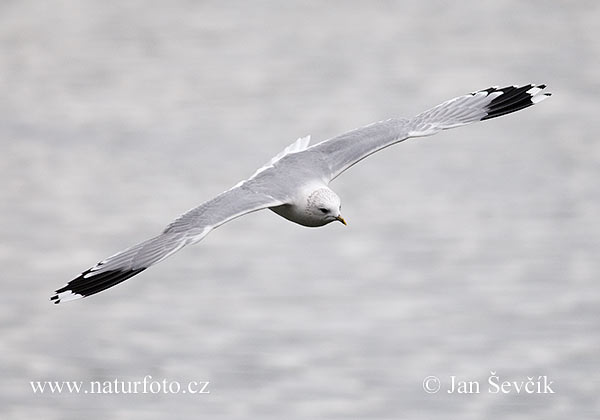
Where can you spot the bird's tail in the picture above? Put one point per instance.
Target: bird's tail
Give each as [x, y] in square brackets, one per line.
[477, 106]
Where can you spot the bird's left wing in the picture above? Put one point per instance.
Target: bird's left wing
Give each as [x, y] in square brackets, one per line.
[341, 152]
[189, 228]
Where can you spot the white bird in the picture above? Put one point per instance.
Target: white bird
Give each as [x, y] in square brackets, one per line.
[295, 183]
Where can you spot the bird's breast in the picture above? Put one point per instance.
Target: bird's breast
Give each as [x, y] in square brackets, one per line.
[296, 214]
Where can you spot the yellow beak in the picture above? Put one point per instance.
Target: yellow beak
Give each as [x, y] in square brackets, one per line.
[341, 219]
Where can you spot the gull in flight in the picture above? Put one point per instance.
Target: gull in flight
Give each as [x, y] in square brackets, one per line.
[295, 183]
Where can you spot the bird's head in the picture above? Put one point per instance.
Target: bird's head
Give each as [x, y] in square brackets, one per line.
[324, 206]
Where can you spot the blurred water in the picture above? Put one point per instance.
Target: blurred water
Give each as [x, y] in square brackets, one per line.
[470, 252]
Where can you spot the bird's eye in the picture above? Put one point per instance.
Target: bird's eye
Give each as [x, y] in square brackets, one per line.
[323, 210]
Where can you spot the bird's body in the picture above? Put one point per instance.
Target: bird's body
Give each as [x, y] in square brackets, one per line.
[313, 205]
[295, 183]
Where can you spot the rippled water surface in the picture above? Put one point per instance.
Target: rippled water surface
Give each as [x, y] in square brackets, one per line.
[470, 252]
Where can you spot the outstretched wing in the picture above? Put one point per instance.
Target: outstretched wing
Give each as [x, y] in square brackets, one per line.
[343, 151]
[189, 228]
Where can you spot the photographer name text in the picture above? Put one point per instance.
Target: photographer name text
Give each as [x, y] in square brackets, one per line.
[494, 385]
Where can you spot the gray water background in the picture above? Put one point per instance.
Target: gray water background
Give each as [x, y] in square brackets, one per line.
[472, 251]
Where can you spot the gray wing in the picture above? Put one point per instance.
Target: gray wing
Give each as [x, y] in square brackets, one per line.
[189, 228]
[341, 152]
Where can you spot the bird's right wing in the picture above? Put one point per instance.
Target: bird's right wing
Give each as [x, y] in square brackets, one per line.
[189, 228]
[343, 151]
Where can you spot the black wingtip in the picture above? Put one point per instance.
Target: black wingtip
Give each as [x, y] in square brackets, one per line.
[513, 98]
[83, 286]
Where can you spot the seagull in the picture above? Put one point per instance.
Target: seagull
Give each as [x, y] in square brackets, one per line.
[295, 183]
